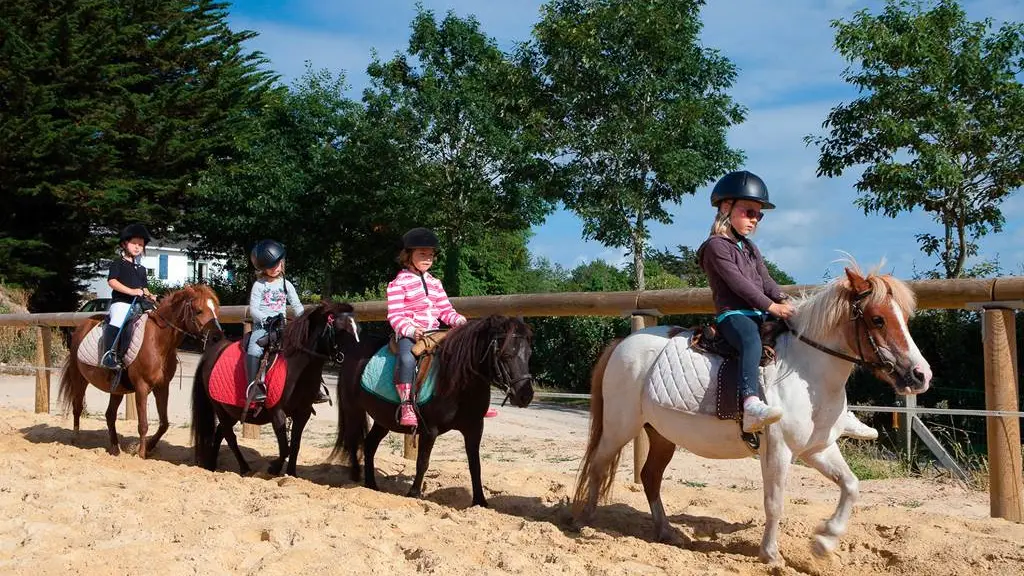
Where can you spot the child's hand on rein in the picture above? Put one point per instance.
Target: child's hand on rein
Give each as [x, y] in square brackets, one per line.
[781, 310]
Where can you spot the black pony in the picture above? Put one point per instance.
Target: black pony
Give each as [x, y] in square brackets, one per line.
[308, 342]
[492, 350]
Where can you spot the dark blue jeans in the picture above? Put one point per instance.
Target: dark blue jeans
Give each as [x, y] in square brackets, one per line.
[406, 361]
[743, 333]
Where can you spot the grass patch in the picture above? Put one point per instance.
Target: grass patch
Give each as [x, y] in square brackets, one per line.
[872, 462]
[695, 484]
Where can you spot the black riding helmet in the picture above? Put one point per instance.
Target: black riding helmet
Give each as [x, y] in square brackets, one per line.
[741, 185]
[135, 231]
[266, 254]
[419, 238]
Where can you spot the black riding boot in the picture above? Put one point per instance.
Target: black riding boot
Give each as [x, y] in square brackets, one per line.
[252, 366]
[110, 355]
[322, 395]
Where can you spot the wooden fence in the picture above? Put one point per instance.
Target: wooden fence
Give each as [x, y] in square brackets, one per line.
[996, 298]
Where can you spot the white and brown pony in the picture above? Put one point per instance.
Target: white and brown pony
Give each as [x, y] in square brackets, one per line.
[854, 320]
[189, 311]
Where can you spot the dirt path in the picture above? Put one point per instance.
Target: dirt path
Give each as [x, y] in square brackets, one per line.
[68, 507]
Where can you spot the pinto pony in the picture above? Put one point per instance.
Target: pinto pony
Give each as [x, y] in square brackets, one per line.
[189, 311]
[855, 320]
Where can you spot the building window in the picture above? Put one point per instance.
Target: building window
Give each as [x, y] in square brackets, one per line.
[163, 267]
[201, 273]
[150, 272]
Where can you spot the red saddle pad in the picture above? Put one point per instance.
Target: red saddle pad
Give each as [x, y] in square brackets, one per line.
[227, 381]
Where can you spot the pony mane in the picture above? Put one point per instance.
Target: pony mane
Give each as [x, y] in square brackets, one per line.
[461, 351]
[819, 314]
[298, 331]
[179, 301]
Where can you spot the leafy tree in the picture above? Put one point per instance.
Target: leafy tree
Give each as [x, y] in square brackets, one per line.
[108, 112]
[940, 123]
[638, 109]
[466, 109]
[684, 265]
[597, 276]
[290, 182]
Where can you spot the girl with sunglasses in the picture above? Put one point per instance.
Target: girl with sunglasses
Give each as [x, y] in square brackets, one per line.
[744, 293]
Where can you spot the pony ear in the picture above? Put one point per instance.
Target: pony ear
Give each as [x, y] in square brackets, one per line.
[858, 284]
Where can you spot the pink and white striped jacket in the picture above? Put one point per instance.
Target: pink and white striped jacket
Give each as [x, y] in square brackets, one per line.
[409, 307]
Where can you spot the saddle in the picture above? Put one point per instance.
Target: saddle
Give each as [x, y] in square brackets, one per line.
[728, 404]
[271, 345]
[706, 339]
[423, 351]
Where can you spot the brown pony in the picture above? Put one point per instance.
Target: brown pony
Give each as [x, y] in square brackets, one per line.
[192, 311]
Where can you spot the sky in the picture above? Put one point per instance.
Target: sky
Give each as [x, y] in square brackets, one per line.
[789, 79]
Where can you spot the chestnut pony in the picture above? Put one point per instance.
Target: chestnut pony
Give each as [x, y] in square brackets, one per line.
[192, 311]
[855, 320]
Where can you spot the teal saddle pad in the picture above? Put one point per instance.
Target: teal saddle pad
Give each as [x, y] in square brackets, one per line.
[379, 378]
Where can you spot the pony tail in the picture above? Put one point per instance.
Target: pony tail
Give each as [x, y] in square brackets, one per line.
[590, 474]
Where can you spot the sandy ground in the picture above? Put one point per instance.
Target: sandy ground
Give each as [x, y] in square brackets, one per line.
[66, 506]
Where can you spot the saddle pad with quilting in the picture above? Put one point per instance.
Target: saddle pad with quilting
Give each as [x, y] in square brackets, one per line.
[685, 380]
[379, 378]
[91, 350]
[228, 384]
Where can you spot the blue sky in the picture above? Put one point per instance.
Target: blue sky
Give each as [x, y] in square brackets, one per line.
[789, 79]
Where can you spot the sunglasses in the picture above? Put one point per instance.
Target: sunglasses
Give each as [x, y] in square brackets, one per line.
[754, 214]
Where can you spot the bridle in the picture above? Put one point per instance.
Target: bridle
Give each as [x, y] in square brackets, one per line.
[859, 320]
[336, 356]
[193, 318]
[502, 377]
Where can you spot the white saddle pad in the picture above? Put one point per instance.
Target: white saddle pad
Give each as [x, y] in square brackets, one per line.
[91, 350]
[683, 379]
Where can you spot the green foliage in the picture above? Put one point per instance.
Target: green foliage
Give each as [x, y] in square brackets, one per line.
[110, 110]
[566, 348]
[940, 123]
[638, 109]
[289, 182]
[461, 109]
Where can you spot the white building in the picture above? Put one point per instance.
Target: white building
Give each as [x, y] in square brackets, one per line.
[167, 262]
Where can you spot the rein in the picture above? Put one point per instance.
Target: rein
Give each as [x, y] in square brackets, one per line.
[857, 317]
[155, 316]
[502, 377]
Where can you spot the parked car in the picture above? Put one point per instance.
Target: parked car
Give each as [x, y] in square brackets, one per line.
[96, 305]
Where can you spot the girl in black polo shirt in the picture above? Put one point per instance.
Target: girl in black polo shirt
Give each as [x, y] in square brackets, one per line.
[127, 280]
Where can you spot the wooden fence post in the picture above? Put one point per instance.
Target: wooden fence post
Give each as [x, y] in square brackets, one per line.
[1006, 487]
[250, 431]
[639, 320]
[42, 369]
[130, 411]
[412, 446]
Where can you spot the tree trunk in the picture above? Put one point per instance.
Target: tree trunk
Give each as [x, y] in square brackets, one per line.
[452, 255]
[638, 261]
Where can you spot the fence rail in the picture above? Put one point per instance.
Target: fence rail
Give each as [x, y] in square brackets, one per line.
[996, 298]
[931, 294]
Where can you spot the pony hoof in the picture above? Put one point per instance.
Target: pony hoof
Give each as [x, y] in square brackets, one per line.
[114, 450]
[822, 545]
[771, 558]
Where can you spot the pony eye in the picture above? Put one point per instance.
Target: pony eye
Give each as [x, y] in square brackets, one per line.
[878, 321]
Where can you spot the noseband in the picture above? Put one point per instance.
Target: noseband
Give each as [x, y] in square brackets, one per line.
[859, 320]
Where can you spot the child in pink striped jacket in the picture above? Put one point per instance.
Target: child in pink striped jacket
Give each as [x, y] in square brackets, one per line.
[416, 303]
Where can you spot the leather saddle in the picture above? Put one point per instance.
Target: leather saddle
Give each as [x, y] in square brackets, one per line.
[706, 339]
[423, 351]
[271, 341]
